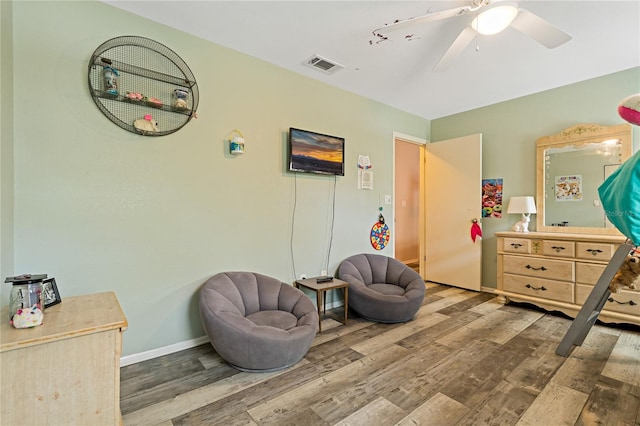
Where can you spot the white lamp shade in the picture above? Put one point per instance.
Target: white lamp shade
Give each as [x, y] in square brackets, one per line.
[521, 205]
[495, 19]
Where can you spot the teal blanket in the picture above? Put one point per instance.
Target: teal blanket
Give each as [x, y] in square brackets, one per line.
[620, 197]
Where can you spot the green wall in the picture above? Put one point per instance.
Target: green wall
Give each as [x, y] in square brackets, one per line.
[6, 139]
[102, 209]
[510, 129]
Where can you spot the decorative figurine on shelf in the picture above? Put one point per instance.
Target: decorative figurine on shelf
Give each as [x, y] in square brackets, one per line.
[153, 102]
[110, 75]
[134, 97]
[180, 104]
[180, 97]
[146, 125]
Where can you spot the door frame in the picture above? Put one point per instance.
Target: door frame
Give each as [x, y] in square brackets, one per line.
[421, 231]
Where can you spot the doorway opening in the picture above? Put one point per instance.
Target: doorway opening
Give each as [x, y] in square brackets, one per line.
[408, 200]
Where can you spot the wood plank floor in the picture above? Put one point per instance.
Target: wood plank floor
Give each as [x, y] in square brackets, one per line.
[464, 360]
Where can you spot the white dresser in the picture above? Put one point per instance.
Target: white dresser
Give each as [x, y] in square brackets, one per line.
[558, 271]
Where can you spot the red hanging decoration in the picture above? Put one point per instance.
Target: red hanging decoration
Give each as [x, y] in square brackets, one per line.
[476, 231]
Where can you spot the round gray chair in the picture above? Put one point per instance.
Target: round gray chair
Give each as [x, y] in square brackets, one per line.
[255, 322]
[381, 288]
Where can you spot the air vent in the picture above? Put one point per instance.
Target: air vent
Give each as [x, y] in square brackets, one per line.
[323, 64]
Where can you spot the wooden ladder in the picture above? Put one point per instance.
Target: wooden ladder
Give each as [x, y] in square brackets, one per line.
[593, 305]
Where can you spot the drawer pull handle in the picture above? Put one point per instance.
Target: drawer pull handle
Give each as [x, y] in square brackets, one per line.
[594, 251]
[558, 249]
[516, 245]
[536, 288]
[542, 268]
[630, 302]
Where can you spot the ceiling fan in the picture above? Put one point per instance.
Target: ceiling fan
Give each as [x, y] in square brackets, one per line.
[486, 17]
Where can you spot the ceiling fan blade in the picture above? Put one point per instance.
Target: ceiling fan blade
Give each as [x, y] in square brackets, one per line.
[459, 44]
[431, 17]
[540, 30]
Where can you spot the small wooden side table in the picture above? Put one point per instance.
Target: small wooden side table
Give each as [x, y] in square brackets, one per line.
[321, 291]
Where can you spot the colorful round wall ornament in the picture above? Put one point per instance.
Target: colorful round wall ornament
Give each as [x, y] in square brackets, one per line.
[380, 234]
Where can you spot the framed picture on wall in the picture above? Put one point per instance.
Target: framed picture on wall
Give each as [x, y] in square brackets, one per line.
[50, 292]
[492, 198]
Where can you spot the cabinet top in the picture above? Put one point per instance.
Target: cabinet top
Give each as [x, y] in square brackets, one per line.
[617, 239]
[75, 316]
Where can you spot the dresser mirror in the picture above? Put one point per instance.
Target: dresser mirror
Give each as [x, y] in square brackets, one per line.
[570, 167]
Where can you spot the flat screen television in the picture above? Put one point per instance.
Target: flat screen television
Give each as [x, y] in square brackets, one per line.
[311, 152]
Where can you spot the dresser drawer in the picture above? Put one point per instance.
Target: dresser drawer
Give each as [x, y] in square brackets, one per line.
[595, 251]
[558, 248]
[517, 245]
[539, 267]
[545, 289]
[626, 302]
[589, 273]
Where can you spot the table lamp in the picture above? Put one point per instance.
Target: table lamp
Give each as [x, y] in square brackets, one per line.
[525, 206]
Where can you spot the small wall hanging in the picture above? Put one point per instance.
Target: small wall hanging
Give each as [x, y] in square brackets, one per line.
[236, 142]
[365, 173]
[142, 86]
[380, 233]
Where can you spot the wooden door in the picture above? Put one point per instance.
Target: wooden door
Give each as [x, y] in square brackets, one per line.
[453, 198]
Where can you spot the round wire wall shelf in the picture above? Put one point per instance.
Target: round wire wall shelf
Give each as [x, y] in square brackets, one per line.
[138, 80]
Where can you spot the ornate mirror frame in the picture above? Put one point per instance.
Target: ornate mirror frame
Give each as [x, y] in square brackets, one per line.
[578, 137]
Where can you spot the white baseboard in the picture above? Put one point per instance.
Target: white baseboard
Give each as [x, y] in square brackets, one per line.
[165, 350]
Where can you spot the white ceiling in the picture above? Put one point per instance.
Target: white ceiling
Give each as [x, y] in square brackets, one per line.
[397, 72]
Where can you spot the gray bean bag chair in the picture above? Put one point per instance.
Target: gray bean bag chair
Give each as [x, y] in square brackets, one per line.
[381, 288]
[255, 322]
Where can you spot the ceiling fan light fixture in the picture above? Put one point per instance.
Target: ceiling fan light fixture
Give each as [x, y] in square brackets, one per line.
[494, 19]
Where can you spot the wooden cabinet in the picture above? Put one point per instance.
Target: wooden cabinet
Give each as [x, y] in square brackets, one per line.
[66, 371]
[558, 271]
